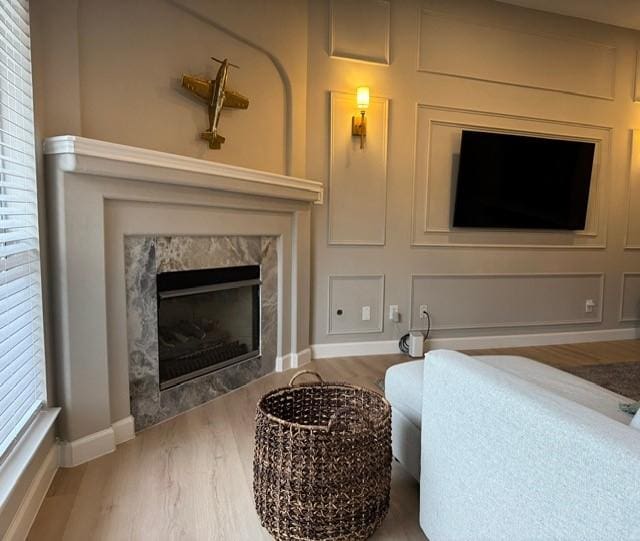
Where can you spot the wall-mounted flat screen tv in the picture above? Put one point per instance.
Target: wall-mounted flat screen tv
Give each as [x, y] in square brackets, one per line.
[521, 182]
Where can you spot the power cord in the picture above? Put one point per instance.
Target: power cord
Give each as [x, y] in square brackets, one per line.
[403, 344]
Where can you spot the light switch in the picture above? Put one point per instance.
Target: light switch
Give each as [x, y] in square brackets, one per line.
[366, 313]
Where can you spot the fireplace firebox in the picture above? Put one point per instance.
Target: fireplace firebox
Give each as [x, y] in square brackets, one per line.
[207, 320]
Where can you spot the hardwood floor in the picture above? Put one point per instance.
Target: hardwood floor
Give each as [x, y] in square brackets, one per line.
[190, 477]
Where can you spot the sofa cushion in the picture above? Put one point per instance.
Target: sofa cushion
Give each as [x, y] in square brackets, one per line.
[403, 389]
[562, 384]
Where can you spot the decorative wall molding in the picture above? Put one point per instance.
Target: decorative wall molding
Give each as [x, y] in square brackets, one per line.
[379, 307]
[636, 86]
[583, 68]
[359, 30]
[387, 347]
[623, 291]
[494, 296]
[437, 146]
[357, 174]
[633, 192]
[161, 167]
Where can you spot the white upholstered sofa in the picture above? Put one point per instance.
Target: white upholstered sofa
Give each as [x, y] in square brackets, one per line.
[508, 448]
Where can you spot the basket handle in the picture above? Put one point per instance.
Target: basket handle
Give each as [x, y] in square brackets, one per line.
[302, 373]
[363, 417]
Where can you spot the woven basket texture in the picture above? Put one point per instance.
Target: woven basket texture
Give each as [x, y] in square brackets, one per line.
[322, 461]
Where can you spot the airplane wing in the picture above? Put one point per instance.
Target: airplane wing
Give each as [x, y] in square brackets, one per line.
[235, 100]
[199, 87]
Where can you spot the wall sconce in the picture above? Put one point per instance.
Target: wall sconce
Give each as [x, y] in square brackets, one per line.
[359, 124]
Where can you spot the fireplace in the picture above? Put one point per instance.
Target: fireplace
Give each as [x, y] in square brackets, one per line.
[208, 319]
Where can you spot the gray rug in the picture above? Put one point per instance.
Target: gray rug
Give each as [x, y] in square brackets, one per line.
[622, 378]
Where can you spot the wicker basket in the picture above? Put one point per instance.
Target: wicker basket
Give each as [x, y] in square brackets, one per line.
[322, 461]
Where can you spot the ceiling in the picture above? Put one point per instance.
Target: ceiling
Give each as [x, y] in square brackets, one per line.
[625, 13]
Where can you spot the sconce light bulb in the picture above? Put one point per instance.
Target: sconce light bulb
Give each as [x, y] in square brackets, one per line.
[362, 97]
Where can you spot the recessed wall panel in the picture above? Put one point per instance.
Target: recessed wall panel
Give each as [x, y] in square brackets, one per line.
[439, 131]
[356, 304]
[630, 297]
[452, 46]
[359, 30]
[632, 240]
[466, 301]
[357, 176]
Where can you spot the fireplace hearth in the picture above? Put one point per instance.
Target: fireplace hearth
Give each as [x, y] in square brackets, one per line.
[208, 319]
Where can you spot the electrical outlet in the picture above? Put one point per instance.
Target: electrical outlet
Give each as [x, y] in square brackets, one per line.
[366, 313]
[423, 311]
[589, 304]
[394, 314]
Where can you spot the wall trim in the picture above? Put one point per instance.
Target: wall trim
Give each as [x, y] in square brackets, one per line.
[386, 347]
[381, 279]
[124, 430]
[621, 317]
[292, 360]
[510, 324]
[384, 101]
[634, 164]
[76, 452]
[419, 68]
[598, 202]
[30, 505]
[303, 357]
[377, 61]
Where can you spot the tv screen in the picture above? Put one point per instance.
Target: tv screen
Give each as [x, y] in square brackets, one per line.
[521, 182]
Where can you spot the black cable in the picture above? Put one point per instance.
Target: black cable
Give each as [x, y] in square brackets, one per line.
[403, 343]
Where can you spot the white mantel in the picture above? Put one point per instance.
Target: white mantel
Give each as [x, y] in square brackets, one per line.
[94, 158]
[99, 193]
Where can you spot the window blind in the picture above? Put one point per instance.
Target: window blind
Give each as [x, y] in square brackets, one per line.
[22, 389]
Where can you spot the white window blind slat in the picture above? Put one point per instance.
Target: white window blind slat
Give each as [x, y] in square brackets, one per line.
[21, 396]
[15, 335]
[23, 353]
[22, 389]
[10, 250]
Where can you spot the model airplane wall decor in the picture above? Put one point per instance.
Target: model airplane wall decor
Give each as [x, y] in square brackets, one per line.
[217, 96]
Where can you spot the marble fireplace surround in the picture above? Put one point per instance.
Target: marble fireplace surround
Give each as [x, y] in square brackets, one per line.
[145, 257]
[101, 193]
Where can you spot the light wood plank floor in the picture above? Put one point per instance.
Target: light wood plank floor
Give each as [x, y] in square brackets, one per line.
[190, 477]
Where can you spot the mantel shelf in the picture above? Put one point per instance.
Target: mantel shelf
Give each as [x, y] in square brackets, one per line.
[101, 158]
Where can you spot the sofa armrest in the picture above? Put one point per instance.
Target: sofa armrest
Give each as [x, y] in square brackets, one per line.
[503, 458]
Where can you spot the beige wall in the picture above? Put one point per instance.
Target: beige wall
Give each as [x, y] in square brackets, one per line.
[109, 70]
[475, 63]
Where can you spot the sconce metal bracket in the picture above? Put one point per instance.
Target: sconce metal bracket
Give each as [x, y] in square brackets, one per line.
[359, 127]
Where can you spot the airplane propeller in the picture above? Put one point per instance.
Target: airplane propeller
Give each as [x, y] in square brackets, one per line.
[221, 61]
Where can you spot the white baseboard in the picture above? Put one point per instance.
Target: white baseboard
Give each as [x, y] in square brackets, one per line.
[283, 362]
[124, 430]
[76, 452]
[354, 349]
[26, 514]
[303, 357]
[292, 360]
[385, 347]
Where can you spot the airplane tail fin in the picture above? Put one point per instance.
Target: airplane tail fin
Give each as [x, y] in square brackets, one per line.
[215, 140]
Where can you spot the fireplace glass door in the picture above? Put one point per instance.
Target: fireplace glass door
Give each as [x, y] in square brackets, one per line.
[207, 320]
